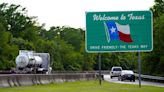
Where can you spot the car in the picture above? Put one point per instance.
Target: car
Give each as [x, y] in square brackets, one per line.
[127, 75]
[115, 71]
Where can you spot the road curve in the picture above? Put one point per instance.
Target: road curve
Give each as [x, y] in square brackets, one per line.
[115, 80]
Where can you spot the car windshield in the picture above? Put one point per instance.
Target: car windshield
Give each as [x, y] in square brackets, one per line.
[117, 69]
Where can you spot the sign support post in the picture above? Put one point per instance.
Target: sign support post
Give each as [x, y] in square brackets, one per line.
[99, 55]
[139, 68]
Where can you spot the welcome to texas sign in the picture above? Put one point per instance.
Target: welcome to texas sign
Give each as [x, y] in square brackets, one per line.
[119, 31]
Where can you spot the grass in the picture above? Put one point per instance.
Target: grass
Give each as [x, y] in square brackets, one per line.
[84, 86]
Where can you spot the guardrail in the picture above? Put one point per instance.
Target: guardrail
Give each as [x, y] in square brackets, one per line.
[102, 72]
[56, 72]
[149, 77]
[10, 80]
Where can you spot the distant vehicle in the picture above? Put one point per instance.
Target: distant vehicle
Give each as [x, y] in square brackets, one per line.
[126, 75]
[32, 62]
[115, 71]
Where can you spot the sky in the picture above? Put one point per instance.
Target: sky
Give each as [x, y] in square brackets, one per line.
[72, 12]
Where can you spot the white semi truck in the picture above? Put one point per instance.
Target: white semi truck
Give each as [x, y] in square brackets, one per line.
[32, 62]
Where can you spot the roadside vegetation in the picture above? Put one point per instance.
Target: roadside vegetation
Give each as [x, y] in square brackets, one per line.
[66, 45]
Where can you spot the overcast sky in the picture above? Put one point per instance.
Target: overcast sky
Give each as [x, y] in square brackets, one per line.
[72, 12]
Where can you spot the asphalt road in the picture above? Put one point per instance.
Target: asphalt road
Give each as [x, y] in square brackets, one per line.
[115, 80]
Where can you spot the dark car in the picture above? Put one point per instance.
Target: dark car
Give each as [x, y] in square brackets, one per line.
[126, 75]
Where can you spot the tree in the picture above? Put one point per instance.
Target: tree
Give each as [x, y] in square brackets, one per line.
[72, 36]
[153, 61]
[158, 8]
[22, 44]
[16, 19]
[89, 60]
[8, 51]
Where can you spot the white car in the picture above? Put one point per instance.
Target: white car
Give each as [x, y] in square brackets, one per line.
[115, 71]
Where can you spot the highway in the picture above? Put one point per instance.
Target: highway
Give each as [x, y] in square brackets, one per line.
[115, 80]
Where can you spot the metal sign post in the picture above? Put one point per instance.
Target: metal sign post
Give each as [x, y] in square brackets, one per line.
[99, 68]
[139, 68]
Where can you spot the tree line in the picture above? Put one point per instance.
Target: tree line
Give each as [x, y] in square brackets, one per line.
[66, 45]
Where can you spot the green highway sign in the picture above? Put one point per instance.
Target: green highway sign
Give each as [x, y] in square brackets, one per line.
[119, 31]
